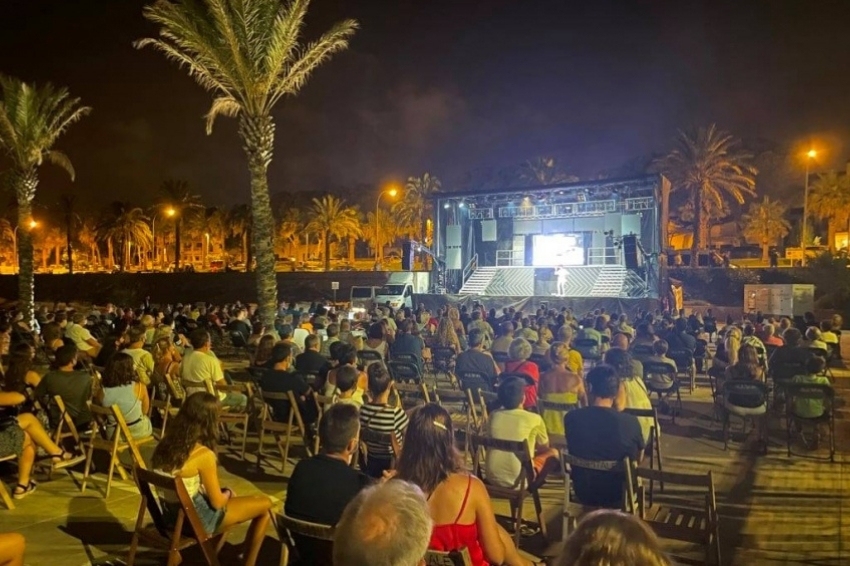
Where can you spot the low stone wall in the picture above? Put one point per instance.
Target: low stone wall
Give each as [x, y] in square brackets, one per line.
[132, 288]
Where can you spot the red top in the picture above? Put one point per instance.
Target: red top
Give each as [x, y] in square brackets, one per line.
[455, 536]
[531, 370]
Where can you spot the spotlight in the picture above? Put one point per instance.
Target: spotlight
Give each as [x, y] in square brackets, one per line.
[447, 205]
[461, 204]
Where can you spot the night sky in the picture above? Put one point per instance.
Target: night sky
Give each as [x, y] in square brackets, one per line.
[446, 86]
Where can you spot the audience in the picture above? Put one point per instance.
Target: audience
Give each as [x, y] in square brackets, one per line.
[80, 336]
[406, 342]
[458, 501]
[201, 366]
[811, 408]
[632, 393]
[518, 354]
[263, 353]
[280, 379]
[386, 525]
[346, 386]
[311, 361]
[560, 385]
[143, 363]
[378, 416]
[121, 387]
[613, 538]
[601, 432]
[503, 342]
[476, 359]
[332, 331]
[20, 374]
[188, 450]
[74, 387]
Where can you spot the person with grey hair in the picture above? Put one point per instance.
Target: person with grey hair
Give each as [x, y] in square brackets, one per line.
[518, 363]
[770, 338]
[385, 525]
[476, 359]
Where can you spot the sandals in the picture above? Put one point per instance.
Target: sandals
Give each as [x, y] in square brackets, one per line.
[24, 490]
[65, 459]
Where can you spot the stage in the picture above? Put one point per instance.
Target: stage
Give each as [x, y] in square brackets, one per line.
[579, 306]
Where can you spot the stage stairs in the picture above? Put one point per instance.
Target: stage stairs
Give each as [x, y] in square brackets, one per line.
[479, 281]
[609, 281]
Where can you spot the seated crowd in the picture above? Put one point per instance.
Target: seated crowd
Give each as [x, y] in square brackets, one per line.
[341, 375]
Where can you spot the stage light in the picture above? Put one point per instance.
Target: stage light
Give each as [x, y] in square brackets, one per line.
[461, 204]
[447, 205]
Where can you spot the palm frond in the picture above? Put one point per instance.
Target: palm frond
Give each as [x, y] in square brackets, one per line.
[222, 106]
[60, 160]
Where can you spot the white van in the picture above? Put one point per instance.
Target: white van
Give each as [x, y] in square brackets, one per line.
[400, 288]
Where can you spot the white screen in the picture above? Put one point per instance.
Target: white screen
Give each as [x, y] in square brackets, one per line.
[557, 249]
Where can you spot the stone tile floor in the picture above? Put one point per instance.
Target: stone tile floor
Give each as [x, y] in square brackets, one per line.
[773, 509]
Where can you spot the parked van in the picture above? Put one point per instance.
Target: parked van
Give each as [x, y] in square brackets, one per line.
[401, 287]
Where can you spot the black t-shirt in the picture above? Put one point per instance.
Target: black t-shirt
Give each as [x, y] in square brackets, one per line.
[278, 381]
[601, 433]
[681, 341]
[311, 362]
[241, 327]
[472, 360]
[318, 491]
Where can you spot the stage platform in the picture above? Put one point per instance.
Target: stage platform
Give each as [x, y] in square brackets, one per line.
[597, 281]
[529, 304]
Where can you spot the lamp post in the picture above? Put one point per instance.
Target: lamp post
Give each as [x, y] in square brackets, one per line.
[811, 154]
[170, 212]
[378, 258]
[32, 225]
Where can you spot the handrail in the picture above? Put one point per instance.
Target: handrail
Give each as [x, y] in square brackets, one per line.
[470, 268]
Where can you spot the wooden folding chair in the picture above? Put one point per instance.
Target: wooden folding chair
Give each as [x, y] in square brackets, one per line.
[121, 441]
[572, 510]
[4, 493]
[654, 441]
[226, 416]
[526, 484]
[409, 395]
[368, 436]
[466, 420]
[66, 435]
[164, 408]
[288, 529]
[810, 392]
[681, 517]
[293, 425]
[323, 403]
[173, 540]
[561, 408]
[458, 557]
[485, 400]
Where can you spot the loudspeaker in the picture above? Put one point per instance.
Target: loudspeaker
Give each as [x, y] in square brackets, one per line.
[630, 252]
[407, 256]
[453, 259]
[488, 230]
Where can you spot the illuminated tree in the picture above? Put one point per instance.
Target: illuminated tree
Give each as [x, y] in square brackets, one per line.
[709, 165]
[239, 223]
[829, 199]
[178, 197]
[765, 223]
[248, 54]
[388, 232]
[331, 218]
[32, 119]
[415, 205]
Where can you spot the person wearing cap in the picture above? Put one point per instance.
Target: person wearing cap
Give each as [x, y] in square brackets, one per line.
[81, 337]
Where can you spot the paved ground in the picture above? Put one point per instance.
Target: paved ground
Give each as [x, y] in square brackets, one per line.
[774, 509]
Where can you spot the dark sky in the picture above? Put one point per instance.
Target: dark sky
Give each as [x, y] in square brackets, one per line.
[445, 86]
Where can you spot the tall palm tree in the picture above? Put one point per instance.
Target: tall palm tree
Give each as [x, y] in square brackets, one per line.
[124, 226]
[32, 119]
[386, 228]
[178, 196]
[765, 223]
[291, 226]
[88, 237]
[247, 53]
[415, 205]
[239, 221]
[208, 226]
[711, 167]
[331, 218]
[829, 199]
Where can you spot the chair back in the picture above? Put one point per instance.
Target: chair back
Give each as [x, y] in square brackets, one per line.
[369, 356]
[640, 351]
[754, 392]
[474, 380]
[410, 395]
[658, 368]
[295, 532]
[405, 357]
[684, 359]
[65, 427]
[625, 468]
[787, 370]
[458, 557]
[770, 349]
[564, 408]
[405, 372]
[500, 357]
[543, 363]
[518, 448]
[144, 480]
[810, 391]
[237, 339]
[442, 358]
[174, 390]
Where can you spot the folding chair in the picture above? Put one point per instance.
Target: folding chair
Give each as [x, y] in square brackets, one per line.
[409, 395]
[240, 344]
[121, 441]
[473, 380]
[660, 368]
[501, 359]
[642, 351]
[163, 408]
[443, 361]
[654, 447]
[469, 421]
[459, 557]
[173, 540]
[810, 392]
[681, 517]
[543, 363]
[369, 436]
[686, 364]
[755, 394]
[4, 493]
[289, 530]
[226, 416]
[367, 357]
[486, 399]
[590, 349]
[783, 374]
[526, 484]
[572, 510]
[405, 372]
[293, 425]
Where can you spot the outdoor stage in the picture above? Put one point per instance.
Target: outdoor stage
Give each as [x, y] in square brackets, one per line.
[583, 246]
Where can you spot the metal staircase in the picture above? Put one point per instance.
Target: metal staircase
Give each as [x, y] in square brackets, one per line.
[478, 282]
[610, 281]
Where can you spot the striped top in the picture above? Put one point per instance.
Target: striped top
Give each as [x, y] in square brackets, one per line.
[383, 418]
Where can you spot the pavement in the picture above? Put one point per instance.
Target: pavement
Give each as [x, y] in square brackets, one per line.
[773, 509]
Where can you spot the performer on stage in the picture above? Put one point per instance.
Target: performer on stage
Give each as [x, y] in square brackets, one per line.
[562, 281]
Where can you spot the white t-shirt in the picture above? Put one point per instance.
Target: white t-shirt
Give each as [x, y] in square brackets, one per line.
[503, 468]
[199, 367]
[79, 334]
[298, 336]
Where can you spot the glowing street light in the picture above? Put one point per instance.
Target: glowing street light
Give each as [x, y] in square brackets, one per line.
[170, 212]
[392, 192]
[811, 154]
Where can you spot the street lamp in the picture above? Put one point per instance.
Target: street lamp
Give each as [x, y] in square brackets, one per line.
[170, 212]
[32, 225]
[811, 154]
[392, 192]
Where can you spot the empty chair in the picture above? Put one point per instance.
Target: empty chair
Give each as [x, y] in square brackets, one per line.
[667, 385]
[405, 372]
[590, 349]
[746, 399]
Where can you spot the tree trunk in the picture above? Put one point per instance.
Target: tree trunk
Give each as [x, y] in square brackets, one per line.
[258, 136]
[351, 242]
[765, 251]
[178, 250]
[68, 246]
[696, 241]
[326, 241]
[830, 233]
[25, 192]
[110, 253]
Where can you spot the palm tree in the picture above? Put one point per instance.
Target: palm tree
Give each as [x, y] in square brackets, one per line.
[388, 232]
[765, 223]
[291, 225]
[330, 217]
[184, 202]
[72, 221]
[829, 199]
[239, 221]
[415, 205]
[543, 171]
[88, 237]
[32, 119]
[207, 225]
[709, 165]
[124, 226]
[247, 53]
